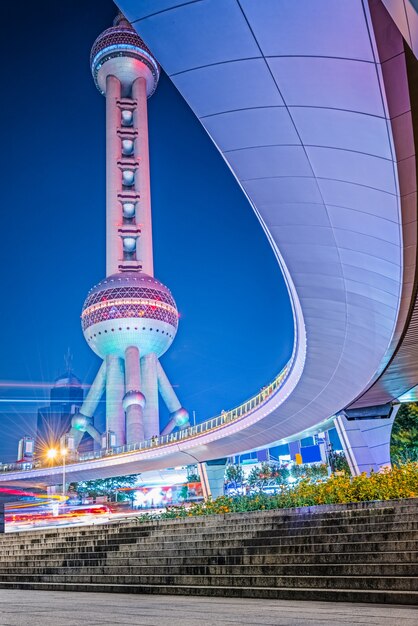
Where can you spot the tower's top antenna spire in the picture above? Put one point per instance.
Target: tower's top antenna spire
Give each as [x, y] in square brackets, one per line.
[120, 20]
[68, 360]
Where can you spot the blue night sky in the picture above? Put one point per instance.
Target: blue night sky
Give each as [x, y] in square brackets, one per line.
[236, 328]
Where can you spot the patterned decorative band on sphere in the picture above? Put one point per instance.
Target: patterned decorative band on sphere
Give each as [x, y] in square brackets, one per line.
[118, 36]
[129, 295]
[130, 290]
[129, 308]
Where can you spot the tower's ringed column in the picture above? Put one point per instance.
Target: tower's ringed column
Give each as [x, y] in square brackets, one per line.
[142, 182]
[125, 71]
[114, 251]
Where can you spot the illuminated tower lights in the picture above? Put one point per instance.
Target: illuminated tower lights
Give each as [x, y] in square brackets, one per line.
[129, 319]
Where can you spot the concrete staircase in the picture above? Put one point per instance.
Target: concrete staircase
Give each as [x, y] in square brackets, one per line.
[364, 552]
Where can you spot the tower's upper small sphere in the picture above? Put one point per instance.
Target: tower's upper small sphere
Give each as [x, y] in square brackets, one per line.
[129, 309]
[120, 52]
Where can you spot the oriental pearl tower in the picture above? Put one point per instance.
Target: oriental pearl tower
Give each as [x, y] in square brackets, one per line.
[129, 319]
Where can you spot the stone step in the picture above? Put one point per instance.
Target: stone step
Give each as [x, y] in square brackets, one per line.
[366, 546]
[362, 552]
[277, 593]
[137, 537]
[347, 528]
[320, 558]
[231, 541]
[373, 509]
[257, 559]
[110, 542]
[142, 529]
[363, 546]
[267, 517]
[272, 549]
[215, 570]
[275, 531]
[402, 523]
[399, 583]
[225, 536]
[260, 538]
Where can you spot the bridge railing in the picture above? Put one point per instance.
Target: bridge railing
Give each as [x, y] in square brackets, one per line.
[226, 417]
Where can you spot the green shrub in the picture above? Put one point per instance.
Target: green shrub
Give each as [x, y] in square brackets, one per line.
[399, 482]
[234, 475]
[404, 438]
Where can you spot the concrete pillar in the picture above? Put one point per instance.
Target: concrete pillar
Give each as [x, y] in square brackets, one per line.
[179, 416]
[133, 400]
[166, 390]
[150, 391]
[323, 442]
[169, 427]
[83, 421]
[115, 390]
[94, 433]
[142, 179]
[212, 476]
[294, 449]
[96, 391]
[114, 251]
[77, 435]
[366, 442]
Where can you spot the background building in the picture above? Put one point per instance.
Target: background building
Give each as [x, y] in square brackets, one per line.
[54, 420]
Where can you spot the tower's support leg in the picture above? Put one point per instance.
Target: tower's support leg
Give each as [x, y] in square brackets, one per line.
[150, 391]
[212, 476]
[166, 390]
[83, 421]
[133, 401]
[170, 426]
[366, 442]
[76, 435]
[94, 433]
[178, 416]
[115, 390]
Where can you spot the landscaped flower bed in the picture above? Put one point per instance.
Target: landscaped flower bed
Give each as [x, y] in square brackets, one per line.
[399, 482]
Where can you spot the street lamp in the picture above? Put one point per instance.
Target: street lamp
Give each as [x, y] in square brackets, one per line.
[52, 454]
[63, 454]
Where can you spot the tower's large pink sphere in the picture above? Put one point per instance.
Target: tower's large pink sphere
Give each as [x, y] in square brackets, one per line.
[129, 309]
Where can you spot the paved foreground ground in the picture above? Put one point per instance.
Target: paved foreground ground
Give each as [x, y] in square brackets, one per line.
[45, 608]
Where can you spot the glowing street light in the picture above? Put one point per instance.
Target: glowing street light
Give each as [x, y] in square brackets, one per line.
[52, 454]
[63, 454]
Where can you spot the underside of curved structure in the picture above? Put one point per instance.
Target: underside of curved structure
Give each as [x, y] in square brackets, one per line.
[310, 106]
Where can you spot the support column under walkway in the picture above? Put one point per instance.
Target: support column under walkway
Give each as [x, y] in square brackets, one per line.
[212, 476]
[366, 441]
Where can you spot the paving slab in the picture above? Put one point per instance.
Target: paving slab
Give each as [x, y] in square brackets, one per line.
[47, 608]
